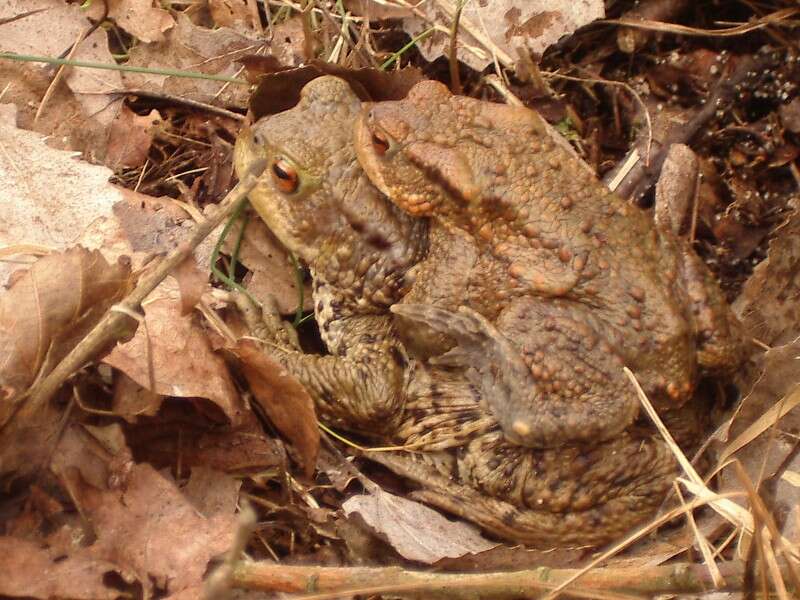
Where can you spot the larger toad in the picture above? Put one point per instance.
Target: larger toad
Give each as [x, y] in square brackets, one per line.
[365, 255]
[591, 277]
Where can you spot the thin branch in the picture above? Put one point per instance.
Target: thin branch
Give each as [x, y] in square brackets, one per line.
[327, 582]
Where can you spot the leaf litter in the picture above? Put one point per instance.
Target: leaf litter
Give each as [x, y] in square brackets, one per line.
[131, 478]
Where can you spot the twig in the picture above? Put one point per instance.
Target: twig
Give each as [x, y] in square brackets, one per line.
[113, 324]
[218, 584]
[327, 582]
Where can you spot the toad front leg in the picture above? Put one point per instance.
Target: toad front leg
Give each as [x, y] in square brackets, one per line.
[360, 386]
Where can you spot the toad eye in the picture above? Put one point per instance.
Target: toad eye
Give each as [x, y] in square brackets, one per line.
[285, 176]
[380, 142]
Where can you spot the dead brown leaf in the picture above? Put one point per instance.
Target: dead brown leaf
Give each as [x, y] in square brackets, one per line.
[790, 115]
[68, 128]
[279, 88]
[132, 401]
[769, 305]
[272, 273]
[756, 434]
[32, 571]
[234, 14]
[285, 401]
[47, 312]
[193, 48]
[146, 226]
[51, 32]
[502, 25]
[187, 440]
[138, 17]
[183, 363]
[416, 531]
[192, 281]
[144, 524]
[130, 138]
[99, 453]
[55, 196]
[212, 492]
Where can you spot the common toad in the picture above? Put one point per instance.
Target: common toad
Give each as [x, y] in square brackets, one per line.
[365, 255]
[592, 283]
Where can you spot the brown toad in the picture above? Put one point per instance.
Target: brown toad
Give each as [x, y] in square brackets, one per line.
[365, 255]
[592, 283]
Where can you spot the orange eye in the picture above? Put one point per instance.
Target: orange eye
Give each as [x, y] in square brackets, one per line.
[285, 176]
[380, 143]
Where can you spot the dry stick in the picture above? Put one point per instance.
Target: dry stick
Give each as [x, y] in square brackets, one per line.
[217, 110]
[677, 578]
[113, 323]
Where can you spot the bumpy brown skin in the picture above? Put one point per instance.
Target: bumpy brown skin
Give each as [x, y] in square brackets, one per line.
[365, 255]
[592, 283]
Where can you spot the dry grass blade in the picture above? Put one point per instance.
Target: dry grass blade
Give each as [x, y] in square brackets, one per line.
[762, 515]
[770, 19]
[684, 462]
[762, 424]
[702, 542]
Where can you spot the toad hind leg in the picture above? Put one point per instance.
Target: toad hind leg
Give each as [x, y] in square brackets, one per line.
[556, 384]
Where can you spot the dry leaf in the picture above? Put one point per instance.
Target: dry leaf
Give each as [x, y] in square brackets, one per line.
[192, 281]
[243, 449]
[509, 24]
[97, 452]
[416, 531]
[768, 305]
[376, 10]
[288, 41]
[191, 47]
[132, 401]
[146, 226]
[31, 571]
[272, 273]
[56, 197]
[285, 401]
[212, 492]
[755, 435]
[67, 128]
[130, 138]
[231, 13]
[790, 115]
[279, 88]
[51, 32]
[137, 17]
[183, 363]
[144, 524]
[48, 311]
